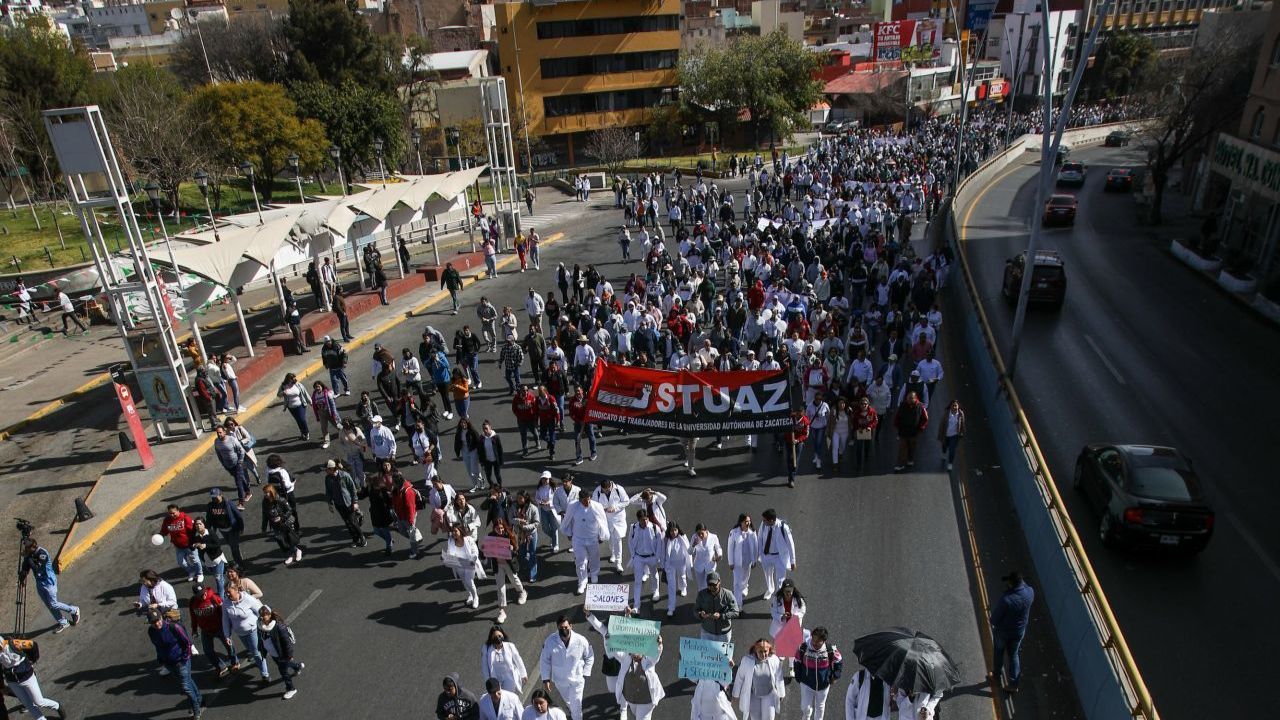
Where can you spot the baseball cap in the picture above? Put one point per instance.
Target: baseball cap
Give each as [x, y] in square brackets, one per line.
[545, 474]
[377, 419]
[197, 589]
[331, 464]
[327, 338]
[713, 577]
[215, 492]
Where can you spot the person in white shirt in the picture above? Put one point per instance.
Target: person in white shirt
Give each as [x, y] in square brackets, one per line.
[819, 414]
[916, 706]
[540, 707]
[381, 440]
[69, 313]
[710, 702]
[644, 540]
[155, 593]
[462, 555]
[759, 687]
[561, 498]
[639, 690]
[705, 549]
[867, 698]
[535, 305]
[566, 662]
[777, 551]
[499, 703]
[930, 372]
[743, 554]
[655, 504]
[586, 526]
[861, 370]
[615, 500]
[676, 563]
[501, 660]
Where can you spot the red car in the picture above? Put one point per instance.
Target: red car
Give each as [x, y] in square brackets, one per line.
[1060, 210]
[1119, 180]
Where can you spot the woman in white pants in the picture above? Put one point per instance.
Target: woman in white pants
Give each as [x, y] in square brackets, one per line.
[839, 431]
[505, 571]
[462, 556]
[743, 554]
[676, 564]
[759, 688]
[705, 548]
[611, 666]
[20, 678]
[638, 688]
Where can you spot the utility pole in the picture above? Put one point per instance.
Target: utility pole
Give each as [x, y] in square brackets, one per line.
[1017, 77]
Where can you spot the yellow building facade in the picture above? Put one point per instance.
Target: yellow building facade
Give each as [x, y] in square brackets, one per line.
[576, 66]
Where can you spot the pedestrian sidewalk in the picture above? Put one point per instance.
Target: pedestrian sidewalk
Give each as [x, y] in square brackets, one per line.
[41, 370]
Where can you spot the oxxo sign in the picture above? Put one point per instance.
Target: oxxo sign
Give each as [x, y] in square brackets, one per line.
[1257, 168]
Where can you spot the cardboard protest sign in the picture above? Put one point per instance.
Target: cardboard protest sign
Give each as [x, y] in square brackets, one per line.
[496, 548]
[608, 598]
[705, 660]
[632, 635]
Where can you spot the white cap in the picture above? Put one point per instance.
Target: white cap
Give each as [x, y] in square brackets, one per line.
[377, 419]
[331, 464]
[545, 474]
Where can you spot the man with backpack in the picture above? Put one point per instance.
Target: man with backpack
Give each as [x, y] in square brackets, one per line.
[334, 357]
[407, 501]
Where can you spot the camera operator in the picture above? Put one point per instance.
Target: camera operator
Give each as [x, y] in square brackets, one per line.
[37, 562]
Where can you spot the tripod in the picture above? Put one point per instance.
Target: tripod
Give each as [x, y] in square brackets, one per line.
[20, 604]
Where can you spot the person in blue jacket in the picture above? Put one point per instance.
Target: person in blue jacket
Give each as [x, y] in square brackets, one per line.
[173, 655]
[37, 563]
[1009, 618]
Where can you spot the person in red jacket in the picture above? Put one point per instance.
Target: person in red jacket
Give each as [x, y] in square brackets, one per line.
[524, 405]
[796, 438]
[911, 420]
[205, 608]
[178, 527]
[578, 411]
[405, 501]
[549, 420]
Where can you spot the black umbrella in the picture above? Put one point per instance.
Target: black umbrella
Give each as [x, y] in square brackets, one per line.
[906, 659]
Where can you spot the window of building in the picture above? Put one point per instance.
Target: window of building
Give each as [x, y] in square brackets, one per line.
[1167, 5]
[614, 63]
[615, 100]
[1126, 8]
[607, 26]
[1259, 118]
[1181, 5]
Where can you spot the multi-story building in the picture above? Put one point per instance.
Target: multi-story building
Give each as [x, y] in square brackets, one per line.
[13, 11]
[1168, 23]
[1014, 39]
[576, 66]
[1244, 179]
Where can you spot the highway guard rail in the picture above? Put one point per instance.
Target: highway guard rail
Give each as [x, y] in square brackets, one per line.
[1107, 679]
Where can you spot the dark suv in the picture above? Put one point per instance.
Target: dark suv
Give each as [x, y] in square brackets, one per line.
[1048, 279]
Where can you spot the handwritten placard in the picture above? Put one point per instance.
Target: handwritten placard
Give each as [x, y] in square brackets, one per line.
[705, 660]
[496, 548]
[608, 598]
[632, 635]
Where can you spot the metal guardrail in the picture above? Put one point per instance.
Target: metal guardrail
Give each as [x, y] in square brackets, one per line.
[1110, 635]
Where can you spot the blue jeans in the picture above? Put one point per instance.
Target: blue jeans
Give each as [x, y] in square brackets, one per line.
[462, 405]
[219, 570]
[250, 642]
[182, 672]
[234, 385]
[491, 264]
[344, 325]
[211, 654]
[548, 432]
[300, 417]
[550, 526]
[529, 555]
[337, 375]
[472, 363]
[189, 562]
[241, 479]
[528, 431]
[818, 443]
[513, 378]
[579, 429]
[949, 446]
[49, 596]
[1010, 643]
[385, 534]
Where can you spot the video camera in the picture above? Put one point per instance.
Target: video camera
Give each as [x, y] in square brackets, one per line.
[25, 527]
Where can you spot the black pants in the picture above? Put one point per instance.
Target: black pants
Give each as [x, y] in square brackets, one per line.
[492, 472]
[231, 537]
[73, 318]
[348, 519]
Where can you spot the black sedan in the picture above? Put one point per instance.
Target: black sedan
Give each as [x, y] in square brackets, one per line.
[1146, 495]
[1119, 138]
[1119, 180]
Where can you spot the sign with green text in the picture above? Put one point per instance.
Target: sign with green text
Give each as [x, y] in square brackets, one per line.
[1249, 167]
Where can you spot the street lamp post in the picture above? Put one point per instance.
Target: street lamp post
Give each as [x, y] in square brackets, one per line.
[377, 150]
[202, 182]
[294, 164]
[416, 137]
[246, 169]
[335, 152]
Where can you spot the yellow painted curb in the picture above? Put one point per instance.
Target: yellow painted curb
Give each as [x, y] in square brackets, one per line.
[74, 552]
[55, 405]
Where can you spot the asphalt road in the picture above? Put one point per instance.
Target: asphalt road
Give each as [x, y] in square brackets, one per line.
[377, 634]
[1145, 351]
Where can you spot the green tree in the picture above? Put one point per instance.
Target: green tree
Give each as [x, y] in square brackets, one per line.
[354, 116]
[330, 42]
[152, 124]
[770, 76]
[666, 124]
[1121, 66]
[39, 69]
[257, 122]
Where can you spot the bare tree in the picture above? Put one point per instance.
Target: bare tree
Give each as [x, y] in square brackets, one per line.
[612, 147]
[246, 47]
[1194, 95]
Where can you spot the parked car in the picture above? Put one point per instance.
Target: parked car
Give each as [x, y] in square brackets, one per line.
[1060, 210]
[1119, 180]
[1146, 496]
[1048, 279]
[1071, 175]
[1119, 138]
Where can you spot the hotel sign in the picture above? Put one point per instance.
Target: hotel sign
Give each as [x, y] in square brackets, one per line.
[1248, 166]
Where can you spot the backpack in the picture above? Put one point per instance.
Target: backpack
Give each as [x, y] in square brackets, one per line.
[289, 632]
[419, 502]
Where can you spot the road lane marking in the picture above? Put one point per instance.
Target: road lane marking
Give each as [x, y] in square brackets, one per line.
[1098, 351]
[303, 606]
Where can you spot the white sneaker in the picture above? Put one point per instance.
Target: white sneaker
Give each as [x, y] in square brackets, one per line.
[475, 602]
[200, 578]
[657, 595]
[502, 616]
[164, 671]
[288, 694]
[618, 567]
[288, 560]
[241, 407]
[684, 591]
[522, 597]
[686, 463]
[692, 472]
[297, 557]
